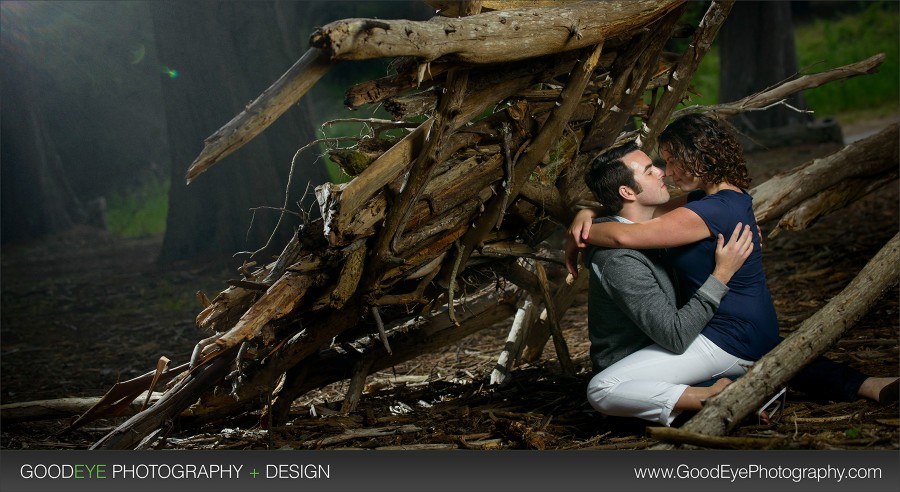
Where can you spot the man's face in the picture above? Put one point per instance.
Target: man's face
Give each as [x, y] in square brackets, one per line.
[682, 179]
[650, 178]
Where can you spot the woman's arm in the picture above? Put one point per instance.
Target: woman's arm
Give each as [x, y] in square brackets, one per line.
[672, 204]
[676, 228]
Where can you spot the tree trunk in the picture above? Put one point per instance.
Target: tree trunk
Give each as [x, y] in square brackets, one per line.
[36, 197]
[756, 51]
[204, 41]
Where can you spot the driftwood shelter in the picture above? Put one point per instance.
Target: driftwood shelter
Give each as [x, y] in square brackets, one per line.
[444, 232]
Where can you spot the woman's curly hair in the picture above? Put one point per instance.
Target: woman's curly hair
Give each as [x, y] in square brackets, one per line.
[707, 149]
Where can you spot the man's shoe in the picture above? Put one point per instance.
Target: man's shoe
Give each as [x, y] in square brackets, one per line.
[890, 393]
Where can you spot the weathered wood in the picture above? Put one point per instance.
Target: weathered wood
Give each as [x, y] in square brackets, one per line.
[64, 408]
[829, 200]
[562, 349]
[390, 430]
[408, 339]
[739, 399]
[375, 91]
[339, 202]
[171, 403]
[278, 301]
[442, 193]
[122, 394]
[533, 153]
[774, 95]
[873, 156]
[491, 37]
[451, 8]
[445, 123]
[261, 378]
[684, 71]
[262, 112]
[539, 333]
[681, 436]
[409, 106]
[630, 74]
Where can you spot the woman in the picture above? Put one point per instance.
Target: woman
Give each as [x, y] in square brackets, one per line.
[703, 158]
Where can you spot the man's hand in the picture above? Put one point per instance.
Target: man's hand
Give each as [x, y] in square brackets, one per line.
[576, 238]
[730, 257]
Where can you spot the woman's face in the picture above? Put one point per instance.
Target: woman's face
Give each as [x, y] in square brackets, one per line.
[674, 170]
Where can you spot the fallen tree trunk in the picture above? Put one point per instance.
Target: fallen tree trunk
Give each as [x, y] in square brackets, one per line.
[62, 408]
[876, 155]
[738, 400]
[829, 200]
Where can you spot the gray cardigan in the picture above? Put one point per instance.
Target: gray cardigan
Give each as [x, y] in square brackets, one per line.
[632, 304]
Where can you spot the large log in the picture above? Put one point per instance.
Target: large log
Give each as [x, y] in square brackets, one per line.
[62, 408]
[727, 409]
[873, 156]
[829, 200]
[490, 37]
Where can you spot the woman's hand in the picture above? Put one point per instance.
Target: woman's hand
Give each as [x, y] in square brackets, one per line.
[580, 230]
[730, 257]
[576, 238]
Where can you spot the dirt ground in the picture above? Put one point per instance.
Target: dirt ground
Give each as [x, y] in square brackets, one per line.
[84, 309]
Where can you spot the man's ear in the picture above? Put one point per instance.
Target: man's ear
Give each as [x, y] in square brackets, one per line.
[627, 193]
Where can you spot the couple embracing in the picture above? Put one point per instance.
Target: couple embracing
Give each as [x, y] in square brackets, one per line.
[678, 297]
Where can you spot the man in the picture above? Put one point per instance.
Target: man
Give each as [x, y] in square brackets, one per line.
[632, 299]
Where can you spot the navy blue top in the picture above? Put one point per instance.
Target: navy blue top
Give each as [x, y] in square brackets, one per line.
[745, 325]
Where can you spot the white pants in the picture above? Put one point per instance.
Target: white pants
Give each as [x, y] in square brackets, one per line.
[649, 382]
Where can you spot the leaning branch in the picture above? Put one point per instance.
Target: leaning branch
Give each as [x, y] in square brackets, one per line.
[262, 112]
[765, 98]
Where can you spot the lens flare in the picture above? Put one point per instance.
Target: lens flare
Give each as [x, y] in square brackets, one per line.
[170, 72]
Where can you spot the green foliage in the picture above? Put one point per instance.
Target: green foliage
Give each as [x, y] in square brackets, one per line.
[141, 212]
[825, 44]
[337, 130]
[705, 85]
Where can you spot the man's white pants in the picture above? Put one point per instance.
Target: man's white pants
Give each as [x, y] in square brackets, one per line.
[649, 382]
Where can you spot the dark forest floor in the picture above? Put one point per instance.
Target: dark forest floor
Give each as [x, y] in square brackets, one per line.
[85, 309]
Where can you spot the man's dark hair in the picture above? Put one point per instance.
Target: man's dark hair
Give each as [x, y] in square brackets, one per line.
[608, 172]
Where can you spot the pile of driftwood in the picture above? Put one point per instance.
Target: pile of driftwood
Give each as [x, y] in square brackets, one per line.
[442, 232]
